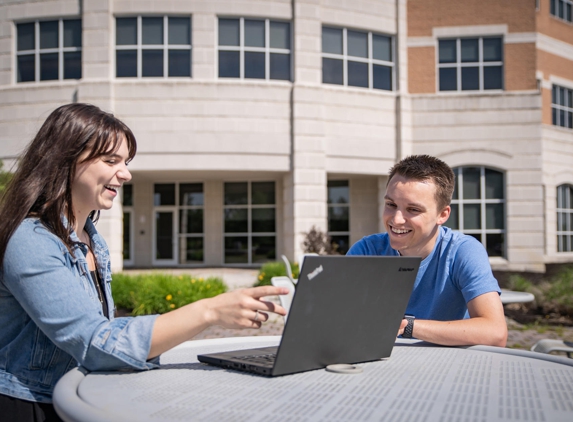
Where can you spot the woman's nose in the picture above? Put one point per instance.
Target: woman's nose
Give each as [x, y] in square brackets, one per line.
[124, 174]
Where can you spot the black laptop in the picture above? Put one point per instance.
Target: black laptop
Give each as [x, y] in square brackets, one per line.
[346, 310]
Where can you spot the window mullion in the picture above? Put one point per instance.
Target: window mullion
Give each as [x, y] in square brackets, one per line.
[459, 64]
[483, 206]
[267, 49]
[460, 198]
[139, 47]
[60, 49]
[481, 64]
[37, 50]
[344, 59]
[242, 56]
[370, 64]
[165, 47]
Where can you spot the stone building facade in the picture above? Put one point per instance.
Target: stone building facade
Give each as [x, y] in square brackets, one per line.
[259, 119]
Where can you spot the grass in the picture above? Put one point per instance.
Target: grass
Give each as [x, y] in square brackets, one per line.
[158, 293]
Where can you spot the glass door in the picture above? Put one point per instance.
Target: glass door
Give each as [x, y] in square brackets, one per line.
[164, 236]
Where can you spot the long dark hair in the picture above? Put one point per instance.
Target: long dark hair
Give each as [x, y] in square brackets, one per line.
[42, 184]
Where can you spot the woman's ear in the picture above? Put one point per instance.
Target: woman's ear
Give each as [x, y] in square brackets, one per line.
[444, 215]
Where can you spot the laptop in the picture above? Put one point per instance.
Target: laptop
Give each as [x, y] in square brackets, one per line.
[346, 310]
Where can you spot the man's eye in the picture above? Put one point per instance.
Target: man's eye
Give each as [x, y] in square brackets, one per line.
[389, 204]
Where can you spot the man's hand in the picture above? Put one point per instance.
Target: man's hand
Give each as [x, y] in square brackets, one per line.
[402, 326]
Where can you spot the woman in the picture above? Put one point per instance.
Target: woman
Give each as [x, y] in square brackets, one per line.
[55, 296]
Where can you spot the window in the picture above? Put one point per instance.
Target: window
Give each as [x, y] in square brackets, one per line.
[153, 47]
[470, 64]
[254, 49]
[49, 50]
[249, 222]
[127, 203]
[178, 223]
[562, 9]
[339, 214]
[478, 207]
[562, 107]
[357, 58]
[565, 218]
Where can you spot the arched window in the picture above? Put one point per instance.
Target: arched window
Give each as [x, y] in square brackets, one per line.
[478, 207]
[565, 218]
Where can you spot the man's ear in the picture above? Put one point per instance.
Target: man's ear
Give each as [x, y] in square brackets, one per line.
[444, 215]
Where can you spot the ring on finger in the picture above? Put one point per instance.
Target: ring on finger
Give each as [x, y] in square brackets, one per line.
[257, 315]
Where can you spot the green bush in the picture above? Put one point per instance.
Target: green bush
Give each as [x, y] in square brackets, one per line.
[274, 269]
[552, 296]
[560, 291]
[519, 283]
[158, 293]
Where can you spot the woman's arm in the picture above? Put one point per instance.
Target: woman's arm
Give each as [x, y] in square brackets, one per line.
[235, 309]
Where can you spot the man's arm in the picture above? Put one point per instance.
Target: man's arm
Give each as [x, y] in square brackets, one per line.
[486, 325]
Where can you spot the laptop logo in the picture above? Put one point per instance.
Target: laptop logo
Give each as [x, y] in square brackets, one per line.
[315, 272]
[405, 269]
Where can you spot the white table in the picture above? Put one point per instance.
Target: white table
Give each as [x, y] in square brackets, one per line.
[418, 382]
[509, 296]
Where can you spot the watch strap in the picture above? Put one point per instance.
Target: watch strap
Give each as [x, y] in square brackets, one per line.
[408, 331]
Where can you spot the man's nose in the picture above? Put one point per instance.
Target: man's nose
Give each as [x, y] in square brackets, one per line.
[399, 217]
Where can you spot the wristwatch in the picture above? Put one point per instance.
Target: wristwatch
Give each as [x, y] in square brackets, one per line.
[410, 327]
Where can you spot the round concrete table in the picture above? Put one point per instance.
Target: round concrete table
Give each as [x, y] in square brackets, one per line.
[418, 382]
[509, 296]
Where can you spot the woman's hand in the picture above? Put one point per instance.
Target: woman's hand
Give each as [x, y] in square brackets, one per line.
[242, 308]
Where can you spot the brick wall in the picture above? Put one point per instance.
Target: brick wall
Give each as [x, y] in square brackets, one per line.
[422, 70]
[552, 26]
[520, 65]
[423, 15]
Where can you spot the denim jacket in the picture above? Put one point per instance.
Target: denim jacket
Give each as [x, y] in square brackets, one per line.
[51, 319]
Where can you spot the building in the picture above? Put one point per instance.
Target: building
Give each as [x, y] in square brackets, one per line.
[259, 119]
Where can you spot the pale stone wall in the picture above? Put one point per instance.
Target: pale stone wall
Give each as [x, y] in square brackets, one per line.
[501, 132]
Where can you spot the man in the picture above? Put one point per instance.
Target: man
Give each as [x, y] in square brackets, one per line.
[455, 300]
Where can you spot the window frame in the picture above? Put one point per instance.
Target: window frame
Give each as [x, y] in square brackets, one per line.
[249, 206]
[337, 205]
[37, 51]
[129, 209]
[556, 107]
[460, 201]
[242, 48]
[556, 13]
[176, 235]
[165, 47]
[564, 237]
[370, 61]
[458, 65]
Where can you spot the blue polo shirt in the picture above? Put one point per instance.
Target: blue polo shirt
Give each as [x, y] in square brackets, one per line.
[456, 271]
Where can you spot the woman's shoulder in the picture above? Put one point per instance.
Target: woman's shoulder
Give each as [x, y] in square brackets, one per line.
[32, 233]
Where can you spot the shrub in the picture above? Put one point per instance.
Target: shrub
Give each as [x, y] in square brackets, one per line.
[559, 293]
[158, 293]
[316, 241]
[274, 269]
[552, 296]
